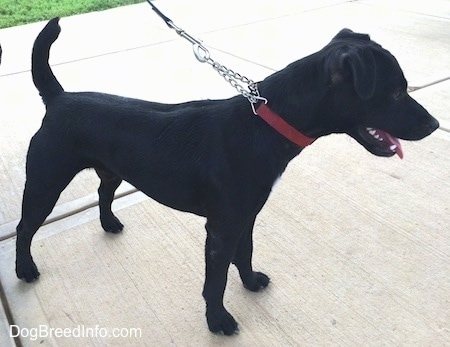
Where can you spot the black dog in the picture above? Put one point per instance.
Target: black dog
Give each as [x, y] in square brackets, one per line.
[214, 158]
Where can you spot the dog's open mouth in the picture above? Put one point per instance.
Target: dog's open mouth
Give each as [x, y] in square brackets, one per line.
[380, 142]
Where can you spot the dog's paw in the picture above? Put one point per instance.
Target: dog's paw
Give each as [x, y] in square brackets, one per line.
[27, 270]
[257, 281]
[221, 322]
[111, 224]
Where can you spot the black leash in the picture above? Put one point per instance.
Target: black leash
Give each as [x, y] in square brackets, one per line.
[181, 32]
[159, 13]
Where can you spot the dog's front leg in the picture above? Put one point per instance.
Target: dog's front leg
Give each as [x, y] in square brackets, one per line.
[221, 243]
[252, 280]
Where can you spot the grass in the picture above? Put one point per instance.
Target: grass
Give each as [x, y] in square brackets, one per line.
[17, 12]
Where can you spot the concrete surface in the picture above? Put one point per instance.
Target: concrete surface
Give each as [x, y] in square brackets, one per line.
[357, 246]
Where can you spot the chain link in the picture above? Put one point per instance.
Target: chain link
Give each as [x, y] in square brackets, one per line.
[232, 77]
[251, 92]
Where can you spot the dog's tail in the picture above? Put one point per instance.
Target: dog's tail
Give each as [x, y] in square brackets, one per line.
[43, 77]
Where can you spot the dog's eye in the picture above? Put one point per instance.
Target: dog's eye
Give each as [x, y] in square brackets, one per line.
[397, 94]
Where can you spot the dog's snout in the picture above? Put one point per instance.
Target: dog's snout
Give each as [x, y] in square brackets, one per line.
[427, 126]
[433, 124]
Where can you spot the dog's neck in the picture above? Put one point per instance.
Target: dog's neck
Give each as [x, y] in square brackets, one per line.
[300, 103]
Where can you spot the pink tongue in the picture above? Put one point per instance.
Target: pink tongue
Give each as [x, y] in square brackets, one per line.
[393, 141]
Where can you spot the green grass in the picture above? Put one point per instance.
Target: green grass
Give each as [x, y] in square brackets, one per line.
[17, 12]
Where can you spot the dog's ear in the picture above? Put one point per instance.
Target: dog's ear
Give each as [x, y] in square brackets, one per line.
[353, 55]
[361, 63]
[355, 63]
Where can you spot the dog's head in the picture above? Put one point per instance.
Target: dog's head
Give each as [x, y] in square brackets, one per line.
[367, 85]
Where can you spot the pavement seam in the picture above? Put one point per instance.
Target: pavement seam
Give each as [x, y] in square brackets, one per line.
[8, 312]
[65, 214]
[429, 84]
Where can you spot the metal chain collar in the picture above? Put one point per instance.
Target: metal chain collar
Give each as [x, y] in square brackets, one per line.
[251, 93]
[202, 54]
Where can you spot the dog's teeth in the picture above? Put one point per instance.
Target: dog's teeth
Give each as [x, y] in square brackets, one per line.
[368, 129]
[393, 148]
[381, 139]
[372, 132]
[376, 136]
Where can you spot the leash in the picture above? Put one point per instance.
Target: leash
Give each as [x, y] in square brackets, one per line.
[236, 80]
[251, 92]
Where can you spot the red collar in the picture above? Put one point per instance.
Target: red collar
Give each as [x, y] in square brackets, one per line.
[284, 128]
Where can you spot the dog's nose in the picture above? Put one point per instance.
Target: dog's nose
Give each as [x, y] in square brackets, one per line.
[433, 124]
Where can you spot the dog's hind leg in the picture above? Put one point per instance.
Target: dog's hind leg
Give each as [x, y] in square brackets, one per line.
[108, 185]
[252, 280]
[48, 172]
